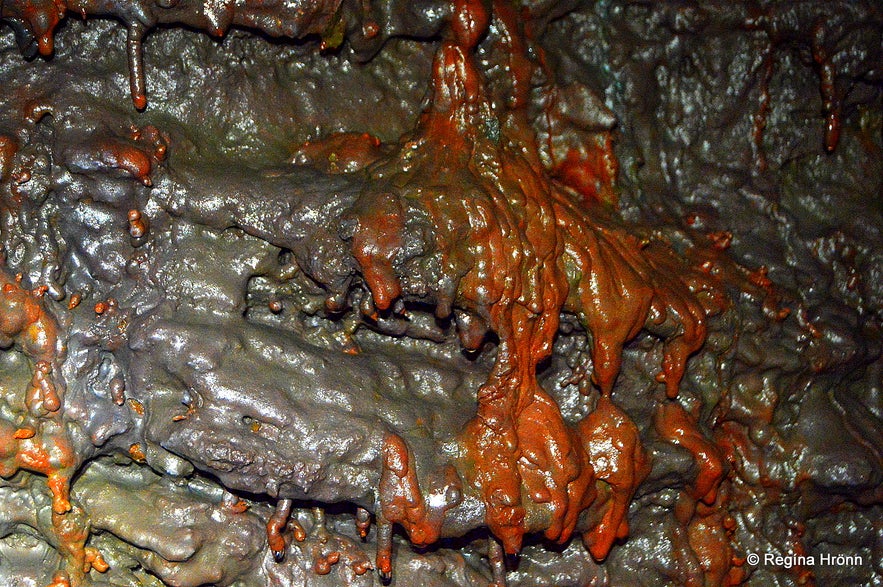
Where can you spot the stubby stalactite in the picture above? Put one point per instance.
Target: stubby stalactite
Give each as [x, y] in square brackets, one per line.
[621, 464]
[35, 22]
[402, 501]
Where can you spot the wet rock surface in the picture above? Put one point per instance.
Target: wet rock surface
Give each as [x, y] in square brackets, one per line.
[448, 282]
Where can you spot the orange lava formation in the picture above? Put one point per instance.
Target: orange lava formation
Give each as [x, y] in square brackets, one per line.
[614, 446]
[675, 425]
[401, 501]
[41, 443]
[517, 249]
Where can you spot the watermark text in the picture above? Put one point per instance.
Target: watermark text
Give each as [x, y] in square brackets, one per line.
[787, 561]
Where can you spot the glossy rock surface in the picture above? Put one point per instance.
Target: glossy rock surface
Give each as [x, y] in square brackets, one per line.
[602, 281]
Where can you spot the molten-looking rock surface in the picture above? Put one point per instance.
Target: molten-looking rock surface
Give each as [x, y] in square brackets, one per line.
[345, 292]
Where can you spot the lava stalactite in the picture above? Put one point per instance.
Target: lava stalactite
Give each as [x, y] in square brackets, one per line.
[517, 249]
[35, 22]
[402, 502]
[675, 425]
[614, 446]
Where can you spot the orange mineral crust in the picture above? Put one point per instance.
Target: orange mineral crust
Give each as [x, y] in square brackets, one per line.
[516, 250]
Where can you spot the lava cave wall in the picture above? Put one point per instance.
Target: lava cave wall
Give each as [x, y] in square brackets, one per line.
[203, 374]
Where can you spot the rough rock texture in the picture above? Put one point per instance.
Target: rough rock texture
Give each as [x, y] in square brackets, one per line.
[463, 278]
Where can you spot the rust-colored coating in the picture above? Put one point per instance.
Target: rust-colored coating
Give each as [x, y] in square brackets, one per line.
[60, 579]
[137, 453]
[710, 540]
[94, 560]
[620, 461]
[8, 148]
[522, 250]
[25, 322]
[137, 224]
[40, 453]
[45, 448]
[339, 153]
[42, 396]
[126, 158]
[675, 425]
[323, 564]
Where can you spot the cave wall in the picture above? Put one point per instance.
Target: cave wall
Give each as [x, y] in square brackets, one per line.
[747, 136]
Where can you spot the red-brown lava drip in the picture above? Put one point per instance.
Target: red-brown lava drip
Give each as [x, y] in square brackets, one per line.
[518, 249]
[39, 444]
[832, 85]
